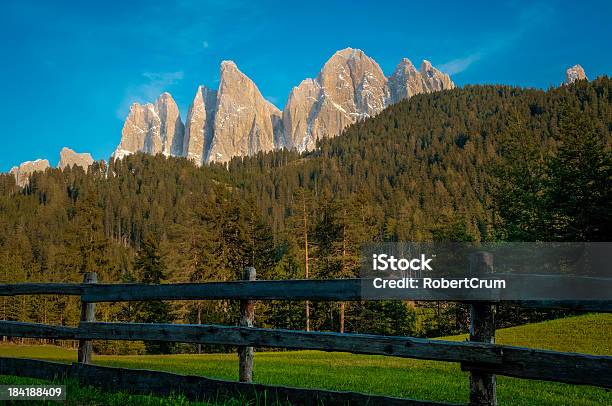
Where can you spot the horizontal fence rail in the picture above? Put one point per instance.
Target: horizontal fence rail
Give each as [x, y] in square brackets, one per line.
[36, 330]
[308, 289]
[193, 387]
[68, 289]
[407, 347]
[499, 359]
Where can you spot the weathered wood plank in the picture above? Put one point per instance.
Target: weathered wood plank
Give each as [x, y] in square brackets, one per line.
[580, 369]
[32, 368]
[309, 289]
[345, 289]
[407, 347]
[336, 290]
[74, 289]
[35, 330]
[192, 387]
[513, 361]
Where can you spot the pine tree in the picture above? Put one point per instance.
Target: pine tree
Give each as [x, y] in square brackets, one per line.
[151, 269]
[520, 173]
[578, 187]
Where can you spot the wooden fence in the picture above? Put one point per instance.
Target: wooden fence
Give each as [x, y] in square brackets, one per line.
[479, 356]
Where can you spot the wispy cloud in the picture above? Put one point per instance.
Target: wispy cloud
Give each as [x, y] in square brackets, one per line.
[460, 64]
[528, 20]
[146, 92]
[158, 82]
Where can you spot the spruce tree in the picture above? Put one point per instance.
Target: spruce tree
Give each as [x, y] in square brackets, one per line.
[151, 269]
[578, 188]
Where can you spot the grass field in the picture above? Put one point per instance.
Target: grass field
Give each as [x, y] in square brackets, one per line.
[426, 380]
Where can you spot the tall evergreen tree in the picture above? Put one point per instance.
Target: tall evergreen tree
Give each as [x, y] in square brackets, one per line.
[578, 186]
[151, 269]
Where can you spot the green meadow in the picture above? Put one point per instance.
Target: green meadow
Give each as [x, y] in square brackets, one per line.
[425, 380]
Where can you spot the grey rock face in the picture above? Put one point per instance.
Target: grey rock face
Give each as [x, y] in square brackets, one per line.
[69, 158]
[433, 79]
[236, 120]
[299, 114]
[172, 130]
[140, 131]
[350, 86]
[244, 121]
[152, 128]
[574, 73]
[407, 81]
[200, 125]
[23, 172]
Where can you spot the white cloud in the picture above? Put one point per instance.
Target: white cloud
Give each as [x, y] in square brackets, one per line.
[460, 64]
[156, 83]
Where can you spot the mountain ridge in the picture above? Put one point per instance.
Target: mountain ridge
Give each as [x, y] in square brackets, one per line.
[236, 120]
[157, 127]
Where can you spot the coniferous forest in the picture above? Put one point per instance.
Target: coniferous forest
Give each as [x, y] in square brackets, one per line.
[480, 163]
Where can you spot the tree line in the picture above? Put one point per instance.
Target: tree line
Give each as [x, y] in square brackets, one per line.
[481, 163]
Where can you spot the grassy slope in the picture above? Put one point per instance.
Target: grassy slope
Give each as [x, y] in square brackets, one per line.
[387, 375]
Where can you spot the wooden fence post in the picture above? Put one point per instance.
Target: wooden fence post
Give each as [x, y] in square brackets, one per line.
[482, 329]
[88, 313]
[247, 315]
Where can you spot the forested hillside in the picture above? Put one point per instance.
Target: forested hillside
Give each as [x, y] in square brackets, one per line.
[478, 163]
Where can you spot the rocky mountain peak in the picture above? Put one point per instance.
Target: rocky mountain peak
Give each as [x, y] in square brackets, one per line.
[172, 129]
[350, 86]
[69, 158]
[200, 125]
[349, 69]
[574, 73]
[406, 65]
[231, 65]
[23, 172]
[152, 128]
[140, 131]
[236, 120]
[433, 79]
[405, 82]
[245, 123]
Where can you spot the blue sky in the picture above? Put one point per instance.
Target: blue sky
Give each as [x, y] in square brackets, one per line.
[69, 70]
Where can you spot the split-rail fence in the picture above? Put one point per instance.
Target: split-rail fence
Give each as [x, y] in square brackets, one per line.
[480, 356]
